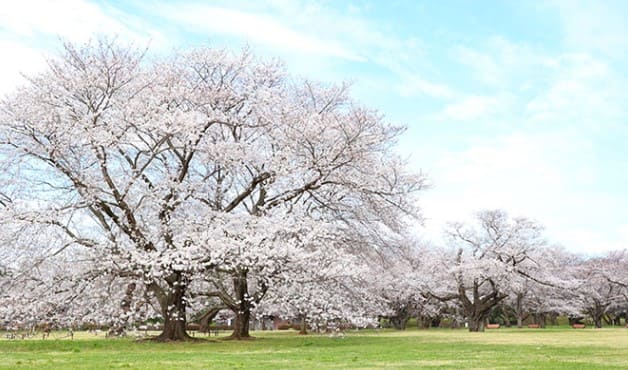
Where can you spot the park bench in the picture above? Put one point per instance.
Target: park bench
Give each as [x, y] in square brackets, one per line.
[578, 326]
[534, 326]
[492, 326]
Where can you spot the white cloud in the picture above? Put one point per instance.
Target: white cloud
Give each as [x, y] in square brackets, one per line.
[484, 65]
[500, 63]
[593, 222]
[583, 90]
[74, 20]
[313, 36]
[19, 60]
[576, 89]
[256, 28]
[541, 176]
[31, 29]
[415, 85]
[594, 26]
[473, 107]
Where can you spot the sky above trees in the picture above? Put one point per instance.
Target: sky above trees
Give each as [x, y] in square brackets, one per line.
[513, 105]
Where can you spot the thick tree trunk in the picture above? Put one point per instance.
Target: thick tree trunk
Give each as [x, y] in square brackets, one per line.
[241, 325]
[597, 312]
[597, 321]
[174, 330]
[243, 308]
[399, 322]
[435, 322]
[173, 310]
[476, 324]
[303, 330]
[478, 309]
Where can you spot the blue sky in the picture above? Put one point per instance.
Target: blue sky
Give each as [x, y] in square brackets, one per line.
[517, 105]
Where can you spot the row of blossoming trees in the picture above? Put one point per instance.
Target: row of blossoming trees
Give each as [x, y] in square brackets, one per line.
[500, 268]
[134, 187]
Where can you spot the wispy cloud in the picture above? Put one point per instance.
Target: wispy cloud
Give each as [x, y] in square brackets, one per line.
[414, 85]
[475, 107]
[594, 26]
[75, 20]
[30, 30]
[583, 91]
[542, 176]
[23, 60]
[255, 27]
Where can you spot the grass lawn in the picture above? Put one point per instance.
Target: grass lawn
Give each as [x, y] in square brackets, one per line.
[564, 348]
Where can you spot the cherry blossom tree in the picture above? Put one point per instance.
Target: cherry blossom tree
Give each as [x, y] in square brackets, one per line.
[601, 289]
[326, 289]
[614, 268]
[197, 175]
[399, 277]
[487, 258]
[541, 290]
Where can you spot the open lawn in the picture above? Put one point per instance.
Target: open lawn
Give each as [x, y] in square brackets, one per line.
[562, 348]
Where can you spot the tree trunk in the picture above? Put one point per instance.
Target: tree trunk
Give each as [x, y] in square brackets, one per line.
[303, 330]
[435, 322]
[399, 322]
[519, 310]
[597, 321]
[478, 309]
[241, 325]
[553, 318]
[207, 319]
[476, 324]
[173, 310]
[542, 320]
[608, 320]
[119, 327]
[455, 324]
[242, 309]
[597, 312]
[423, 322]
[174, 330]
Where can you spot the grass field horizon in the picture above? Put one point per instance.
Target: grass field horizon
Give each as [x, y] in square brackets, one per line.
[552, 347]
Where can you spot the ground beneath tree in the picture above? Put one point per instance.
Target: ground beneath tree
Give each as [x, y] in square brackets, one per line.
[445, 348]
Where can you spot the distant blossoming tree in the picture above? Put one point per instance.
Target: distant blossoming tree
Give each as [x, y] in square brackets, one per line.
[487, 258]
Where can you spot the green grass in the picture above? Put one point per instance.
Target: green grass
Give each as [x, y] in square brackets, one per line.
[436, 348]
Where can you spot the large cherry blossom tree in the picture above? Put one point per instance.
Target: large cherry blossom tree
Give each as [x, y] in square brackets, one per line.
[203, 174]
